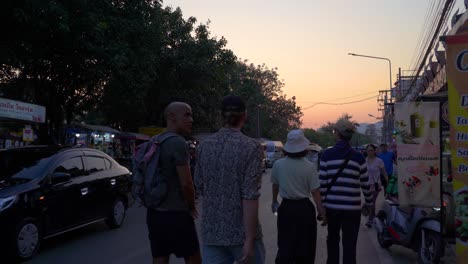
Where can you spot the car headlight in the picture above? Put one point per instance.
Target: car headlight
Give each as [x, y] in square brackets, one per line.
[6, 202]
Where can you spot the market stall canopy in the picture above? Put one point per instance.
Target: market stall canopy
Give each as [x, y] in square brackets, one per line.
[97, 128]
[132, 136]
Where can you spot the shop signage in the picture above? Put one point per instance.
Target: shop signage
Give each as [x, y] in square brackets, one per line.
[418, 145]
[22, 111]
[457, 81]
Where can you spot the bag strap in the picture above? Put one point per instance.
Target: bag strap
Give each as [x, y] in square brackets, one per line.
[338, 173]
[163, 137]
[155, 142]
[152, 147]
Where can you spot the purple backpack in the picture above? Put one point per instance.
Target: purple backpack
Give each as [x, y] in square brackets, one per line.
[149, 185]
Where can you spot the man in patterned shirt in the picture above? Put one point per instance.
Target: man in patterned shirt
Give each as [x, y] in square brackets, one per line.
[228, 177]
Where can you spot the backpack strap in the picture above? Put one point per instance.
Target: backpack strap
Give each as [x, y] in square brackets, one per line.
[159, 139]
[338, 173]
[155, 142]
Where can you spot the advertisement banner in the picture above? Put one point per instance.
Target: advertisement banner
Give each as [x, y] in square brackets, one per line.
[22, 111]
[418, 146]
[457, 81]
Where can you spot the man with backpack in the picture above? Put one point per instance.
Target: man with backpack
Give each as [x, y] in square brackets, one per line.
[163, 183]
[343, 175]
[228, 177]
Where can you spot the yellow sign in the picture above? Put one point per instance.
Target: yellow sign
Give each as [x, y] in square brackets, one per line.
[151, 131]
[457, 81]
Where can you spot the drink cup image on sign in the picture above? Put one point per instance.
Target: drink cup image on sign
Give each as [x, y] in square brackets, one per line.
[417, 125]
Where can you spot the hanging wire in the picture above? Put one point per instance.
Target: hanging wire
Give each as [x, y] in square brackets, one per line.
[345, 103]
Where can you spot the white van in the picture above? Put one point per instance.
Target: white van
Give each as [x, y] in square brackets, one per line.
[274, 151]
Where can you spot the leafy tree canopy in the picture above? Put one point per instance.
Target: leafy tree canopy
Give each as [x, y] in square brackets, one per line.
[119, 63]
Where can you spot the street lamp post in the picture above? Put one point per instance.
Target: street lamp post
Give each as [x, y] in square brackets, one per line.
[390, 87]
[378, 58]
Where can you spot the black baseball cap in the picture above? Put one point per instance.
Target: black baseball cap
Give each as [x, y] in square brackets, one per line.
[233, 103]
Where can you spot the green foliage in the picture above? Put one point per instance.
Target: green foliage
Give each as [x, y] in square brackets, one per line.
[324, 136]
[120, 63]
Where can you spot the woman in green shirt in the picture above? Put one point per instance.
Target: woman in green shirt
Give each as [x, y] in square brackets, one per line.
[295, 179]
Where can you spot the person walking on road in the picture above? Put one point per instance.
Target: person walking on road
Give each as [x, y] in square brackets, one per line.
[388, 158]
[375, 168]
[228, 178]
[295, 179]
[171, 225]
[343, 175]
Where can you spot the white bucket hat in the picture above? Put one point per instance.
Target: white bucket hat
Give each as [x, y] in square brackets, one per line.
[297, 142]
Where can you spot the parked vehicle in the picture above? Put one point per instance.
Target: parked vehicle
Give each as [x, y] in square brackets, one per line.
[274, 152]
[264, 165]
[47, 190]
[313, 155]
[264, 160]
[415, 228]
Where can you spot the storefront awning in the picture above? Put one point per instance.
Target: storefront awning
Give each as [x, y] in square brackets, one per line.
[76, 127]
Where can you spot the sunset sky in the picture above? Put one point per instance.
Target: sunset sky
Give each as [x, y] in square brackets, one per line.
[309, 41]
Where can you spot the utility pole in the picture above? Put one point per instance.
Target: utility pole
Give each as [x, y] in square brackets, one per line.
[258, 121]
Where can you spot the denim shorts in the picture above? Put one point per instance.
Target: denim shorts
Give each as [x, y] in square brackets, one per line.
[229, 254]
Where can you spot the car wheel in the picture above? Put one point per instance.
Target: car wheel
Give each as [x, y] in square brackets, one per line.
[430, 249]
[27, 239]
[117, 214]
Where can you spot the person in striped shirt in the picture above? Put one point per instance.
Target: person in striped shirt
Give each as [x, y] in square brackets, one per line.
[342, 199]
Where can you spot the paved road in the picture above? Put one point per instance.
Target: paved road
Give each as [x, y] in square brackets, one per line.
[129, 244]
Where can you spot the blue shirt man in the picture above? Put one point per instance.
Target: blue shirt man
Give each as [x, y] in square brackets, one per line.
[388, 157]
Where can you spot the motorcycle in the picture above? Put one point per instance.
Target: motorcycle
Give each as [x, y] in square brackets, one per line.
[416, 228]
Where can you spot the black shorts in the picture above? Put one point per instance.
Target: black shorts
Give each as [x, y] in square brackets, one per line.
[172, 233]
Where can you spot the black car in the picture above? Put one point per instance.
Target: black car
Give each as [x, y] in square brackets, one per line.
[48, 190]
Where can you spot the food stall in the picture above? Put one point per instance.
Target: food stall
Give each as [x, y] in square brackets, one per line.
[19, 123]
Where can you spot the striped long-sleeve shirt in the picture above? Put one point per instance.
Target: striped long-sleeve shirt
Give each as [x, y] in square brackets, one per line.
[345, 194]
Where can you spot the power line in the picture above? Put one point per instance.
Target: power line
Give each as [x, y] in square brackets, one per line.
[334, 100]
[444, 14]
[345, 103]
[419, 42]
[436, 11]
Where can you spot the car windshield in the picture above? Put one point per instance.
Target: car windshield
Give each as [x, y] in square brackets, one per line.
[23, 164]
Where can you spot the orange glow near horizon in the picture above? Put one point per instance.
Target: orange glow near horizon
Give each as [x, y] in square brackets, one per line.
[308, 41]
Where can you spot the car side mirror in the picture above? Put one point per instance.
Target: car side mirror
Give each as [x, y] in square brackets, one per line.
[60, 177]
